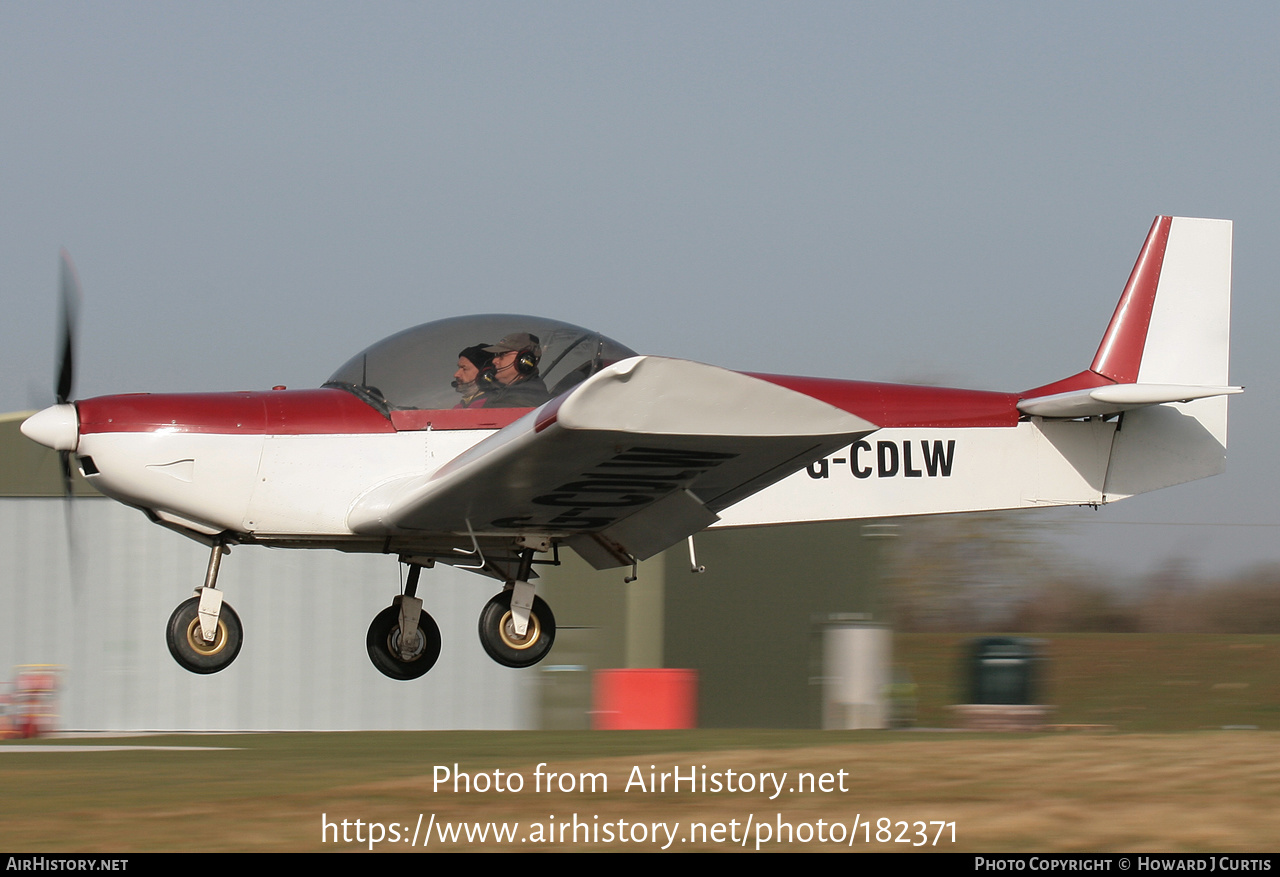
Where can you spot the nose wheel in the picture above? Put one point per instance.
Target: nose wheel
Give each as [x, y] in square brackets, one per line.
[501, 641]
[399, 656]
[188, 645]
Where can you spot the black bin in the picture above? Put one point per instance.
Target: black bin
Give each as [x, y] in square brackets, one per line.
[1004, 670]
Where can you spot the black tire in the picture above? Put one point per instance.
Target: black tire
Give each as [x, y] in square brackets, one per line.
[383, 645]
[189, 648]
[497, 633]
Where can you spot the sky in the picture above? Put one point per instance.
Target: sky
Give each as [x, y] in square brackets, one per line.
[956, 193]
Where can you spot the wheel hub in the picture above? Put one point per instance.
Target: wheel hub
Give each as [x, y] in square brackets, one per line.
[413, 652]
[507, 630]
[195, 638]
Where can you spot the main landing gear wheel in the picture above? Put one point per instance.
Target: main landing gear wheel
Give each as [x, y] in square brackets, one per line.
[383, 643]
[189, 647]
[499, 638]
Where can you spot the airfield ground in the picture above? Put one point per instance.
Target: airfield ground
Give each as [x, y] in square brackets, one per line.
[1206, 791]
[1157, 779]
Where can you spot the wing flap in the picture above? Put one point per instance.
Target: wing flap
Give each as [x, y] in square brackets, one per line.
[631, 461]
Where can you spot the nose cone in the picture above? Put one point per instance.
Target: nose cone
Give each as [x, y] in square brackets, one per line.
[57, 427]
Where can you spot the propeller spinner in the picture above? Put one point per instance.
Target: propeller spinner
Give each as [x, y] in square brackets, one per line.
[58, 426]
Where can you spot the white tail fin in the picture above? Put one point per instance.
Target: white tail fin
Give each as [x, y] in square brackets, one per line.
[1163, 362]
[1188, 342]
[1173, 324]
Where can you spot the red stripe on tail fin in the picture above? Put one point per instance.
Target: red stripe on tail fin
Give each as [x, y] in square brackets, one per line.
[1120, 353]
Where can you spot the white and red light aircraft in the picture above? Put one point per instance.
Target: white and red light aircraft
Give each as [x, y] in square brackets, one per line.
[633, 454]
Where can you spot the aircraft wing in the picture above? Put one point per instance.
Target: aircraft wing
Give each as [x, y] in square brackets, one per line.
[633, 460]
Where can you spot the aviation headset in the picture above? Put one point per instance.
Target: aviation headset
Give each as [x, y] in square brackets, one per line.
[526, 362]
[527, 349]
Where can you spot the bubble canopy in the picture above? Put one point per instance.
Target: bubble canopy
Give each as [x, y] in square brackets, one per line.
[414, 369]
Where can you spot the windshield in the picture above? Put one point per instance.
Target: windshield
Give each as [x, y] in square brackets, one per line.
[422, 367]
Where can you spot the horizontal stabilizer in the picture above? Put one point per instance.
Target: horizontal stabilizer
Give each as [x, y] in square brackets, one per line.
[1114, 398]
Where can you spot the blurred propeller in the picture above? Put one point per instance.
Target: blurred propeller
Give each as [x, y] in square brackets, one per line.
[58, 426]
[69, 303]
[69, 308]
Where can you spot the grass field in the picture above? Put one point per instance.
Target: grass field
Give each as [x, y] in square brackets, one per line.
[1214, 791]
[1157, 780]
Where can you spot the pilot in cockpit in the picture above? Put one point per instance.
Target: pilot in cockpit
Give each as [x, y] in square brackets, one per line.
[471, 362]
[512, 379]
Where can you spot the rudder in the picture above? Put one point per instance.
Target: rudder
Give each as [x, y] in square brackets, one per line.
[1172, 327]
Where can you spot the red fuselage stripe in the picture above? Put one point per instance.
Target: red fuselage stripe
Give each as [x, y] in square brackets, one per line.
[1085, 380]
[456, 418]
[337, 412]
[277, 412]
[907, 405]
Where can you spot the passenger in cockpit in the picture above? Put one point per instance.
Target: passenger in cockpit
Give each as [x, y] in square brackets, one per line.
[512, 379]
[471, 362]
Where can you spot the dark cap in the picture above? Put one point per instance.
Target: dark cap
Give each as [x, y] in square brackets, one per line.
[477, 354]
[518, 341]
